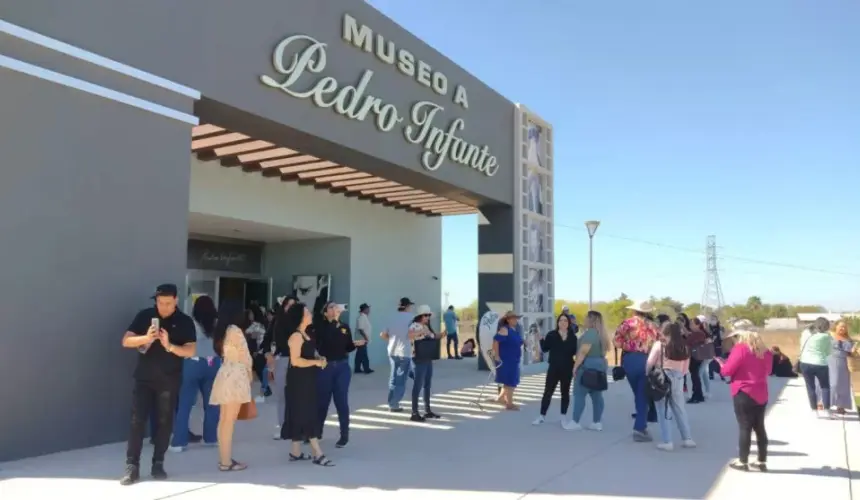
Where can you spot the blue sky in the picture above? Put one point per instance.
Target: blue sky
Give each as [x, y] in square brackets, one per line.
[675, 120]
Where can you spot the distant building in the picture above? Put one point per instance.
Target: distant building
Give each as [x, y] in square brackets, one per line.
[806, 319]
[781, 324]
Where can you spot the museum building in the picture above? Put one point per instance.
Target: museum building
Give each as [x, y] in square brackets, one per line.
[244, 153]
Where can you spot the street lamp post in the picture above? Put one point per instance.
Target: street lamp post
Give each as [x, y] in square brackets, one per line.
[591, 225]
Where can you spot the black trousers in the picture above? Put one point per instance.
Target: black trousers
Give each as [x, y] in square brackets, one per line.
[750, 417]
[158, 397]
[695, 365]
[362, 361]
[554, 376]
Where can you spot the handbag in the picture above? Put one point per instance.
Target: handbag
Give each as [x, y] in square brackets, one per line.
[248, 411]
[618, 372]
[704, 351]
[595, 380]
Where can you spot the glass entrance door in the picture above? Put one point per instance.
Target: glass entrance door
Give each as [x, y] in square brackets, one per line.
[258, 292]
[196, 286]
[231, 293]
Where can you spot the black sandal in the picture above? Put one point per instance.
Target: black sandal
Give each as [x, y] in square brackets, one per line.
[323, 461]
[233, 467]
[299, 458]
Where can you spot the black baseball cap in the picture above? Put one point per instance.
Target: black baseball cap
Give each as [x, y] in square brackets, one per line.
[405, 302]
[364, 307]
[166, 290]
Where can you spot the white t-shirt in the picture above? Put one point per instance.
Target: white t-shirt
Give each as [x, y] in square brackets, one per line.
[398, 334]
[363, 324]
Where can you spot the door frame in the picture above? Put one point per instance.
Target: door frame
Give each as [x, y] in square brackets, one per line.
[210, 275]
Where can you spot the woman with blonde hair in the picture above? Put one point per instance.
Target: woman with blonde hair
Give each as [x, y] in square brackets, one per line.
[589, 372]
[840, 377]
[748, 367]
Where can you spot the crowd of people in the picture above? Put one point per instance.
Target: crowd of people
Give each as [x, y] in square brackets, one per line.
[301, 356]
[658, 356]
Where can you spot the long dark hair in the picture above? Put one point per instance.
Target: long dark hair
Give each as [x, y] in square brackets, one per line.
[291, 319]
[685, 320]
[230, 315]
[662, 318]
[673, 342]
[205, 313]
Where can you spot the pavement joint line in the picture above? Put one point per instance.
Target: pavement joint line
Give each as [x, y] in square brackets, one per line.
[848, 461]
[576, 464]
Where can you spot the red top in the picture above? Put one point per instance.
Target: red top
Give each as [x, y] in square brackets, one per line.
[748, 372]
[636, 334]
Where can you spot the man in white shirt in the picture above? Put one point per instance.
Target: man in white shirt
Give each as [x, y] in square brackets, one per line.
[362, 330]
[396, 333]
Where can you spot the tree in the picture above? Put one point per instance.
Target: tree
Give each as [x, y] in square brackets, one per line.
[754, 303]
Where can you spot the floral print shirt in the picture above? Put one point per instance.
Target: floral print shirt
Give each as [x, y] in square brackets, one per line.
[636, 334]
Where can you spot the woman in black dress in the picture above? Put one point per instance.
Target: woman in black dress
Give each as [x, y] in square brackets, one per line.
[302, 419]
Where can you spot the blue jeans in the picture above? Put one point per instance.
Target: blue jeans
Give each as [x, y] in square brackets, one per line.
[423, 380]
[580, 391]
[197, 378]
[333, 383]
[634, 366]
[705, 375]
[397, 381]
[821, 373]
[675, 401]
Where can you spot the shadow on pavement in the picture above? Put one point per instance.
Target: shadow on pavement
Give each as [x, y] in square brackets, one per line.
[469, 450]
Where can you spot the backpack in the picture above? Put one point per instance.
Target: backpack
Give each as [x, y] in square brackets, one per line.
[657, 384]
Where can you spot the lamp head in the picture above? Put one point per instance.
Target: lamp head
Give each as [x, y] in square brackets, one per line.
[592, 225]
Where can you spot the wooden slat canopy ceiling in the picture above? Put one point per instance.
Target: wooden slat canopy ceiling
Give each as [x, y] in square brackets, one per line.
[231, 149]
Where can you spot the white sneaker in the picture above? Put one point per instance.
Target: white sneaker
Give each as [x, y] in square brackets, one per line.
[688, 443]
[595, 426]
[277, 435]
[707, 395]
[827, 414]
[539, 420]
[176, 449]
[570, 425]
[665, 446]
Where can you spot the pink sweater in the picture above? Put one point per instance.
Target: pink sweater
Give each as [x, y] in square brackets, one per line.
[654, 360]
[748, 372]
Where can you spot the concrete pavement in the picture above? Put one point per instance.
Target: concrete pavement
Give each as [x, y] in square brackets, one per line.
[475, 454]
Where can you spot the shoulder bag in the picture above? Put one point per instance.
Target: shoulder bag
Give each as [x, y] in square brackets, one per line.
[704, 351]
[248, 411]
[796, 366]
[595, 380]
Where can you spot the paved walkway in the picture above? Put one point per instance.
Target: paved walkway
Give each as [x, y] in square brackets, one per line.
[474, 454]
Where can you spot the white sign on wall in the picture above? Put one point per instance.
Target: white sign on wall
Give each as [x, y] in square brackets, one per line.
[300, 55]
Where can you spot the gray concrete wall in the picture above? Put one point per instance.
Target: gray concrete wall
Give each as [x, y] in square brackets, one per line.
[93, 213]
[282, 261]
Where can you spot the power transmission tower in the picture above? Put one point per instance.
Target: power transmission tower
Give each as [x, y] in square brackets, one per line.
[712, 297]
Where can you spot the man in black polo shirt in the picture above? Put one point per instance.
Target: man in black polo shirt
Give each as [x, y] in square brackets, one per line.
[158, 375]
